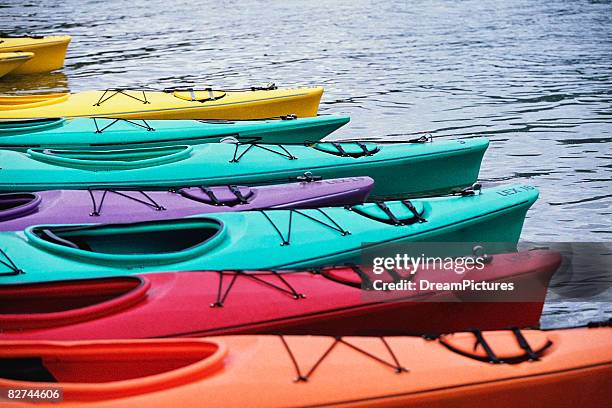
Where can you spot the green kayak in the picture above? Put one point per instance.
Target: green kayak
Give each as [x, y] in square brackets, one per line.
[400, 170]
[270, 239]
[103, 134]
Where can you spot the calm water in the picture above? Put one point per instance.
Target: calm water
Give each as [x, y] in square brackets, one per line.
[536, 78]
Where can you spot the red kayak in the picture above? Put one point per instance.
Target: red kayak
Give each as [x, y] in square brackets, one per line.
[328, 302]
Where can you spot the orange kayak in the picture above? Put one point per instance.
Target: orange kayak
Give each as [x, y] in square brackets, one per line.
[562, 368]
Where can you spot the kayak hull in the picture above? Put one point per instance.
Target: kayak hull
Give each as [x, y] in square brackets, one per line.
[110, 134]
[289, 238]
[137, 104]
[111, 206]
[320, 371]
[399, 170]
[145, 305]
[49, 52]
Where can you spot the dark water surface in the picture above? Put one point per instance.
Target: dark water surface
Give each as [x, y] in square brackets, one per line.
[535, 77]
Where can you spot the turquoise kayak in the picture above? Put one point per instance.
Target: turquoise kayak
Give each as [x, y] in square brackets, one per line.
[266, 239]
[103, 134]
[399, 170]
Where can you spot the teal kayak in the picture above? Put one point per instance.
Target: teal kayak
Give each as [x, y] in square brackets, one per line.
[103, 134]
[399, 170]
[266, 239]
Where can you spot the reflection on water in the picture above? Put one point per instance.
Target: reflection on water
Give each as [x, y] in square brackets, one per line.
[533, 76]
[37, 83]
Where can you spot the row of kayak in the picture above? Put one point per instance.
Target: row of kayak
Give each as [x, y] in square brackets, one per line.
[32, 55]
[126, 238]
[124, 242]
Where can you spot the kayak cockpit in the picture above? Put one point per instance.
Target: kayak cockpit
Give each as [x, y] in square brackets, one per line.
[11, 57]
[9, 126]
[11, 61]
[15, 205]
[112, 239]
[31, 101]
[37, 305]
[103, 370]
[112, 159]
[149, 242]
[53, 297]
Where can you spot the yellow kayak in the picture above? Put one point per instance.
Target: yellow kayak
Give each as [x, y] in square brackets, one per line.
[49, 52]
[254, 103]
[9, 61]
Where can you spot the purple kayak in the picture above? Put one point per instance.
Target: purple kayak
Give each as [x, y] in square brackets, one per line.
[107, 206]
